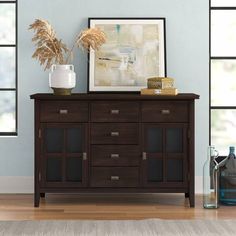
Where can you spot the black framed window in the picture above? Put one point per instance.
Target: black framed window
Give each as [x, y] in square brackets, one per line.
[222, 74]
[8, 67]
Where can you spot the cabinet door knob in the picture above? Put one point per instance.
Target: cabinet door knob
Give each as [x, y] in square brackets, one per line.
[115, 156]
[63, 111]
[84, 156]
[115, 111]
[144, 156]
[115, 178]
[165, 112]
[115, 134]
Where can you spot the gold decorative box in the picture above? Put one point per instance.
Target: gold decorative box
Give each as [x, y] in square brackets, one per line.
[160, 83]
[167, 91]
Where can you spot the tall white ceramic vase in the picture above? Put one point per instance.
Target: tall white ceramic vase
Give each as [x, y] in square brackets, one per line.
[62, 79]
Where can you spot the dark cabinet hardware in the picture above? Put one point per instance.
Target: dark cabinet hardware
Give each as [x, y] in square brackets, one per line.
[115, 134]
[115, 156]
[84, 156]
[40, 133]
[165, 112]
[115, 178]
[115, 112]
[63, 111]
[144, 156]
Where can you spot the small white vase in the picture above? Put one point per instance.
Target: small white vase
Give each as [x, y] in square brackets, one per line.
[62, 79]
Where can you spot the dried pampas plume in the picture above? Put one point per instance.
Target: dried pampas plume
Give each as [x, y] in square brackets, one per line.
[89, 38]
[93, 38]
[50, 50]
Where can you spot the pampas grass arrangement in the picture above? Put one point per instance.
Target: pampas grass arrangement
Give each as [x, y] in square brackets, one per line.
[50, 50]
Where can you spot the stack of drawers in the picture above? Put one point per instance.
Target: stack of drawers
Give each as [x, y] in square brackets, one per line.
[115, 139]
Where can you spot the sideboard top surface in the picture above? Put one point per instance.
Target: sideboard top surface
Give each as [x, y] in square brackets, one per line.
[114, 96]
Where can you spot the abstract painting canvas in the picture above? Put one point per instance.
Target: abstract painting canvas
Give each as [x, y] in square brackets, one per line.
[134, 51]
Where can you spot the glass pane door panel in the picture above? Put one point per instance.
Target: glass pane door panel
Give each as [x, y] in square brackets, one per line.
[7, 111]
[54, 139]
[223, 3]
[174, 140]
[74, 140]
[74, 169]
[223, 129]
[223, 33]
[8, 67]
[53, 169]
[175, 170]
[223, 81]
[155, 170]
[154, 140]
[7, 24]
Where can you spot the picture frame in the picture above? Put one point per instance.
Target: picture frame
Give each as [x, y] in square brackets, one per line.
[135, 50]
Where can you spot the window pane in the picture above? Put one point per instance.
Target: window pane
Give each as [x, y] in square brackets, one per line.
[7, 111]
[223, 33]
[7, 23]
[74, 140]
[223, 129]
[175, 170]
[53, 170]
[8, 67]
[74, 169]
[155, 170]
[54, 140]
[154, 140]
[223, 3]
[223, 82]
[174, 140]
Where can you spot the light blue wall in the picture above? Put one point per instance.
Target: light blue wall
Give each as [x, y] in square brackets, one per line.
[187, 61]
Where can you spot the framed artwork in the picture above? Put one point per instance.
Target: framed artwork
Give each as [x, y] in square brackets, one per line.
[135, 50]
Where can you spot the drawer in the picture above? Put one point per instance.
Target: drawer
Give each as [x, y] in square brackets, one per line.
[114, 177]
[63, 111]
[115, 112]
[114, 133]
[115, 155]
[165, 111]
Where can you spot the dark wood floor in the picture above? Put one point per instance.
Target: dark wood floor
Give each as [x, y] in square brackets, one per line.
[109, 206]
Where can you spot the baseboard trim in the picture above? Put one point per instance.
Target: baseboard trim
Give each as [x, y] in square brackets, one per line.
[198, 184]
[25, 184]
[16, 184]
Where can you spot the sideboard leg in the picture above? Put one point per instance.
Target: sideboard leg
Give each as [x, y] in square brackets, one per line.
[36, 199]
[186, 195]
[42, 195]
[192, 199]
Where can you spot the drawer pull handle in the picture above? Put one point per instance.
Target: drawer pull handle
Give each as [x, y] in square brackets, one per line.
[165, 112]
[115, 134]
[84, 156]
[144, 156]
[63, 111]
[115, 112]
[115, 178]
[115, 156]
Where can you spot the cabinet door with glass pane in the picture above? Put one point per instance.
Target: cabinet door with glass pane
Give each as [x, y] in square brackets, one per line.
[64, 155]
[164, 155]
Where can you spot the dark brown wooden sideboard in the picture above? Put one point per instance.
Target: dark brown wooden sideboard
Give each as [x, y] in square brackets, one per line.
[114, 143]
